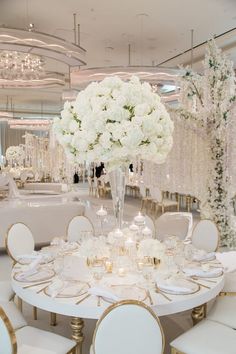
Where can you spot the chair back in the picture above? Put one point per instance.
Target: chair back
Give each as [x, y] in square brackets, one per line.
[142, 190]
[19, 240]
[156, 194]
[128, 327]
[77, 226]
[150, 224]
[176, 224]
[7, 335]
[205, 235]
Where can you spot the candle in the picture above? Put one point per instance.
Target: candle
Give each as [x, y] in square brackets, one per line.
[129, 242]
[101, 212]
[134, 227]
[147, 232]
[121, 272]
[139, 219]
[118, 233]
[108, 266]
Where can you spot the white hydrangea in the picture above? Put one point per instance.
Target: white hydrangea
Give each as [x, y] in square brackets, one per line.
[114, 121]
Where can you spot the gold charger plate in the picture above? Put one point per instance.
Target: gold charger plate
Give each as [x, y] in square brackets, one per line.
[82, 289]
[173, 292]
[124, 292]
[41, 275]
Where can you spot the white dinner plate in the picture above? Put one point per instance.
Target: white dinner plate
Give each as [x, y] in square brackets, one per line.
[40, 275]
[71, 289]
[124, 292]
[200, 273]
[178, 287]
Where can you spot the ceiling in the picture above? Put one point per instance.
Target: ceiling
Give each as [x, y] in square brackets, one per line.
[156, 30]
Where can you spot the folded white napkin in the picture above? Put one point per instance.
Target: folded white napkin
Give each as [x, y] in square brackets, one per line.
[201, 255]
[26, 274]
[55, 287]
[180, 286]
[228, 260]
[213, 272]
[32, 255]
[104, 292]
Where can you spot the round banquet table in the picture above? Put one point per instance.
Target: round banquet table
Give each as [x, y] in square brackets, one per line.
[90, 309]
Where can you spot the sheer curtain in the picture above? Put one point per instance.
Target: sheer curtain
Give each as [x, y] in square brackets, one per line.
[9, 137]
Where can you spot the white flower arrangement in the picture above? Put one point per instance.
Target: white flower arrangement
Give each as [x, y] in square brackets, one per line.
[207, 101]
[94, 248]
[15, 153]
[151, 248]
[114, 121]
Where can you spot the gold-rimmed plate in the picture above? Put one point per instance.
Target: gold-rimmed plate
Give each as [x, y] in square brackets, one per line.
[124, 292]
[201, 274]
[26, 261]
[40, 275]
[177, 288]
[69, 290]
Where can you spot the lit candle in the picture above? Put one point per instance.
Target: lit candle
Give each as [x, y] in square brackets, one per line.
[134, 227]
[101, 212]
[147, 232]
[108, 266]
[139, 219]
[118, 233]
[121, 272]
[129, 242]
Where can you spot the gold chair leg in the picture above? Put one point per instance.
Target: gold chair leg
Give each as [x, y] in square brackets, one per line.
[35, 313]
[53, 319]
[175, 351]
[20, 304]
[162, 209]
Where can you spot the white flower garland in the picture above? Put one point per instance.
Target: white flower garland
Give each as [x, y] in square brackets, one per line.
[114, 121]
[211, 96]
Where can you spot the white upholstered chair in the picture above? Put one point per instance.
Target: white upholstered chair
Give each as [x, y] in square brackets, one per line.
[90, 183]
[6, 292]
[77, 226]
[177, 224]
[128, 327]
[19, 241]
[207, 337]
[151, 225]
[205, 236]
[15, 316]
[30, 340]
[224, 308]
[159, 201]
[145, 199]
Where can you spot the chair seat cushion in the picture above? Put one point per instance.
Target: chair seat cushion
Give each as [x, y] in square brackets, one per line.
[168, 202]
[13, 313]
[230, 282]
[224, 311]
[208, 337]
[42, 342]
[6, 292]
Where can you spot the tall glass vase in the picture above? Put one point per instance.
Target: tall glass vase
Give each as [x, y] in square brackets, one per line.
[117, 183]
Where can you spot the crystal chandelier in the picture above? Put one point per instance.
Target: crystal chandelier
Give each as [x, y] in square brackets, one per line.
[16, 65]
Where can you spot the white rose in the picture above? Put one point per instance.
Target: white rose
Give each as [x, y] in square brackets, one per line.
[142, 109]
[73, 126]
[133, 138]
[105, 140]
